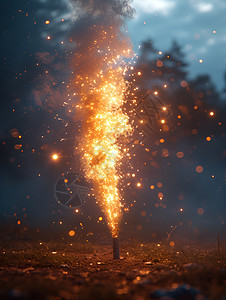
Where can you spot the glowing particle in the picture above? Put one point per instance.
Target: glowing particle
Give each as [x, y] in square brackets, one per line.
[100, 218]
[18, 222]
[199, 169]
[165, 86]
[47, 22]
[55, 156]
[183, 83]
[138, 184]
[160, 52]
[160, 195]
[162, 141]
[159, 184]
[164, 108]
[139, 73]
[152, 187]
[172, 244]
[155, 93]
[200, 61]
[195, 107]
[208, 138]
[163, 121]
[211, 113]
[200, 211]
[48, 37]
[180, 154]
[71, 233]
[76, 210]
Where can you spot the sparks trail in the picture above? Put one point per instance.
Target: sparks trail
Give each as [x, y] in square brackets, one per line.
[101, 87]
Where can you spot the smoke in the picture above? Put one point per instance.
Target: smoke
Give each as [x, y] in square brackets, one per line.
[119, 9]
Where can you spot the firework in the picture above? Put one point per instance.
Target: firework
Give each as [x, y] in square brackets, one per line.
[101, 87]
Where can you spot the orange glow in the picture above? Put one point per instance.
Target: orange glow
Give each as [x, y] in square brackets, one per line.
[200, 211]
[199, 169]
[180, 154]
[102, 88]
[172, 244]
[160, 195]
[18, 222]
[71, 233]
[47, 22]
[55, 156]
[138, 184]
[162, 141]
[100, 218]
[211, 113]
[163, 121]
[152, 187]
[208, 138]
[159, 184]
[164, 108]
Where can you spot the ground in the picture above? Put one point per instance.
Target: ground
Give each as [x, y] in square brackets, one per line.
[56, 270]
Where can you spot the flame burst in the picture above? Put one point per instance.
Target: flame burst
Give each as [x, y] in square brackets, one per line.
[102, 90]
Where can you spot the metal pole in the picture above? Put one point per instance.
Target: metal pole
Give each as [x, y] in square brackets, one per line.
[116, 248]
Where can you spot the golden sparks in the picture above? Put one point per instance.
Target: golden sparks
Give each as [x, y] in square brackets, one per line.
[102, 94]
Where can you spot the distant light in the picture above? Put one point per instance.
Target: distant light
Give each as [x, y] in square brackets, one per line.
[200, 211]
[47, 22]
[139, 73]
[155, 93]
[55, 156]
[138, 184]
[164, 108]
[152, 187]
[180, 154]
[71, 233]
[48, 37]
[200, 61]
[76, 210]
[163, 121]
[211, 113]
[208, 138]
[199, 169]
[100, 218]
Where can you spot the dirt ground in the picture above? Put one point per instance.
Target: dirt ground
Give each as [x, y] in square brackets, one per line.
[50, 270]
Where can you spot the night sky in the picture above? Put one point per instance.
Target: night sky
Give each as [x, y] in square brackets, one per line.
[182, 170]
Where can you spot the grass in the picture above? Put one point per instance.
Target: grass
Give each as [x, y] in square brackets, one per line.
[57, 270]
